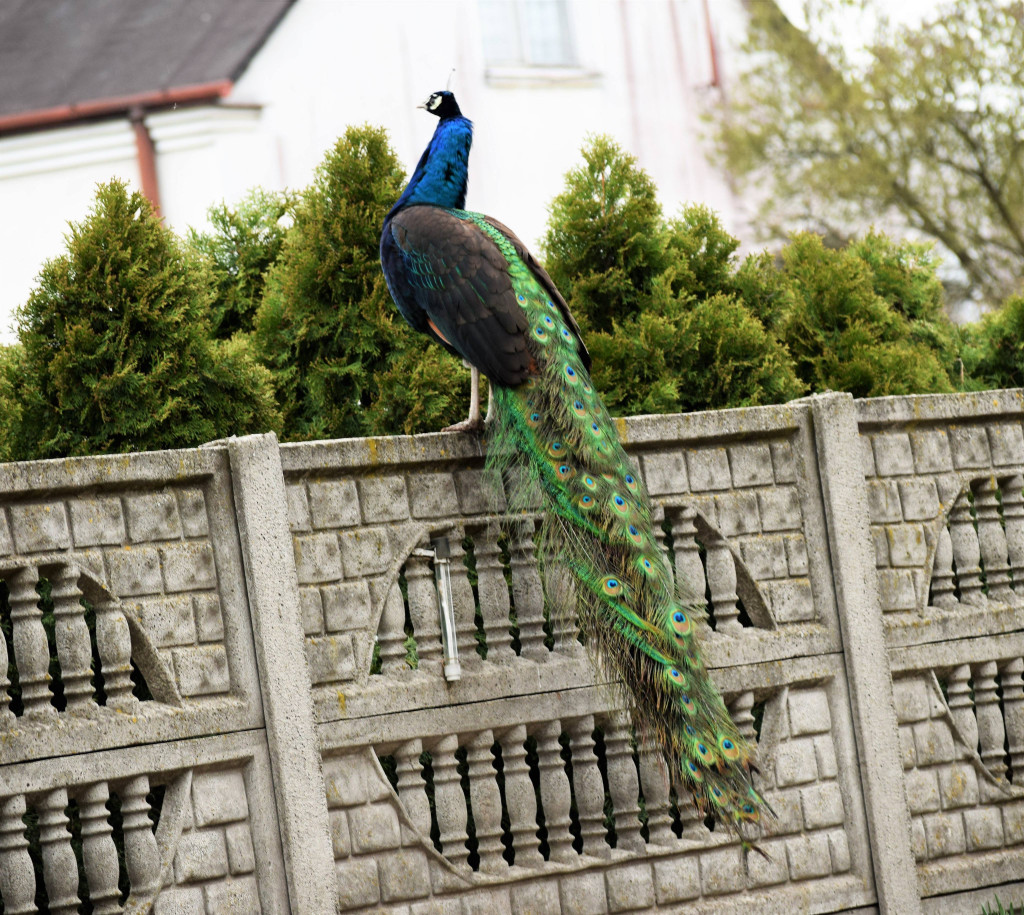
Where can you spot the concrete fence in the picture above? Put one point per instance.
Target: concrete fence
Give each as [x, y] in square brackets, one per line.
[222, 685]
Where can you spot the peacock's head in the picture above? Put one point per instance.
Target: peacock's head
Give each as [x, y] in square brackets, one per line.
[443, 105]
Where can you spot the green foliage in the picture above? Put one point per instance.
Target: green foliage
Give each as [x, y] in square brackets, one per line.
[421, 389]
[656, 298]
[845, 335]
[343, 360]
[902, 273]
[701, 253]
[762, 287]
[605, 240]
[245, 241]
[999, 910]
[703, 332]
[691, 356]
[994, 351]
[923, 126]
[734, 361]
[133, 340]
[115, 349]
[10, 404]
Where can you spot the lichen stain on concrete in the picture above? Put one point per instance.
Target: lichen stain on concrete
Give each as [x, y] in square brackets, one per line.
[957, 786]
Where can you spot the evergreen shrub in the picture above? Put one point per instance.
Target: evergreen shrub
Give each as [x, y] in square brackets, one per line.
[115, 348]
[344, 362]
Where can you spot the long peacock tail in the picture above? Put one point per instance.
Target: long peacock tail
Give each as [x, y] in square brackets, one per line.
[643, 629]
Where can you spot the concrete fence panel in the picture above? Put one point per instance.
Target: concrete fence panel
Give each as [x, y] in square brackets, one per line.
[224, 687]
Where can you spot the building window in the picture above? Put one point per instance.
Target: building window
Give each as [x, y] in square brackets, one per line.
[526, 33]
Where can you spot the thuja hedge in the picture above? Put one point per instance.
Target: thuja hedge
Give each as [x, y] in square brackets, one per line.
[115, 348]
[277, 317]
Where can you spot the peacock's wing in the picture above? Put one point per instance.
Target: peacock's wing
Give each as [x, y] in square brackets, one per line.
[451, 280]
[547, 284]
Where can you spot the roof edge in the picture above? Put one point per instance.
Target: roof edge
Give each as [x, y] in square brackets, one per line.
[272, 25]
[160, 98]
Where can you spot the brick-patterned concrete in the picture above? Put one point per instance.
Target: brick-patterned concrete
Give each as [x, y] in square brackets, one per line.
[274, 602]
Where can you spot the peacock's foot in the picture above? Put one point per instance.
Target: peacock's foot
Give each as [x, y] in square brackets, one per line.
[473, 424]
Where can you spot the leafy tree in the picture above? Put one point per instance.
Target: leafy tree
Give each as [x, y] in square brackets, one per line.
[923, 127]
[115, 350]
[731, 360]
[848, 317]
[244, 242]
[344, 361]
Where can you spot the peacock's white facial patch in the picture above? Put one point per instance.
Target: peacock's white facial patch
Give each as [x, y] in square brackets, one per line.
[433, 101]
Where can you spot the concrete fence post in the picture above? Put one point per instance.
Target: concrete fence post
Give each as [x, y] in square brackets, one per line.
[837, 441]
[272, 585]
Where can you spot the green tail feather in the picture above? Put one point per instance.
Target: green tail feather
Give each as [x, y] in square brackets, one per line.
[644, 630]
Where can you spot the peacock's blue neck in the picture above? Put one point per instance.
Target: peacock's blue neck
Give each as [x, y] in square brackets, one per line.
[442, 173]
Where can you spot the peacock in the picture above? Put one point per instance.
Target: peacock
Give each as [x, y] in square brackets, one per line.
[470, 284]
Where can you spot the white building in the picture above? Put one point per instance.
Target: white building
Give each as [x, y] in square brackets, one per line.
[196, 101]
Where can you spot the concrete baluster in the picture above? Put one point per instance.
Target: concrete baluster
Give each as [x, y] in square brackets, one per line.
[72, 637]
[741, 709]
[423, 612]
[493, 591]
[992, 541]
[412, 790]
[623, 783]
[1013, 517]
[520, 800]
[561, 590]
[527, 591]
[6, 715]
[722, 583]
[588, 786]
[555, 794]
[991, 731]
[114, 644]
[31, 649]
[943, 586]
[449, 801]
[960, 705]
[654, 782]
[658, 516]
[689, 568]
[966, 552]
[486, 801]
[60, 870]
[17, 876]
[391, 632]
[463, 600]
[99, 854]
[1012, 679]
[141, 855]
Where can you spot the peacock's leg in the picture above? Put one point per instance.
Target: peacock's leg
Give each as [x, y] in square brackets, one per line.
[474, 423]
